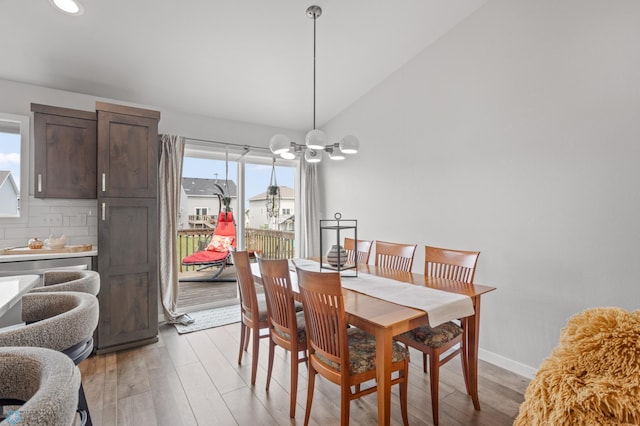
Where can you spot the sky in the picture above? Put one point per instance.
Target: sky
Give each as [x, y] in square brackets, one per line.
[257, 176]
[10, 155]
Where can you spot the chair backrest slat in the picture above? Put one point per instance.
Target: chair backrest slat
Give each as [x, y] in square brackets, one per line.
[456, 265]
[395, 256]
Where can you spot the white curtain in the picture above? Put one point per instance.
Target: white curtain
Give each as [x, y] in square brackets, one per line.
[170, 177]
[309, 210]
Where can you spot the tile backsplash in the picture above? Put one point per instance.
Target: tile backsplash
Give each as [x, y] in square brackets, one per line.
[77, 219]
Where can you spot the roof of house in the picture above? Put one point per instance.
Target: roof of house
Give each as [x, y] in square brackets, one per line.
[7, 177]
[289, 217]
[285, 192]
[206, 187]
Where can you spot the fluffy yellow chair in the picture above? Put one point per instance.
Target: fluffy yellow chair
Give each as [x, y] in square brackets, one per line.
[592, 377]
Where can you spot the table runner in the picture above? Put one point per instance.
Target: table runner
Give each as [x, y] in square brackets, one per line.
[441, 306]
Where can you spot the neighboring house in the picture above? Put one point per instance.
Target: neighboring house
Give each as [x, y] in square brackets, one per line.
[9, 194]
[258, 211]
[200, 206]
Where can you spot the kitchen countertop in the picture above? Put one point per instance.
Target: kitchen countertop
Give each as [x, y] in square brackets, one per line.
[43, 255]
[12, 289]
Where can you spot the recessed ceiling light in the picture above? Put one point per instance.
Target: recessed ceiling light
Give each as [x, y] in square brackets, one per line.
[71, 7]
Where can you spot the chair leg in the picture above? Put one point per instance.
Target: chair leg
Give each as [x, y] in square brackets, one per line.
[254, 360]
[345, 405]
[246, 338]
[464, 356]
[424, 362]
[83, 408]
[294, 384]
[310, 388]
[434, 377]
[404, 388]
[243, 331]
[272, 347]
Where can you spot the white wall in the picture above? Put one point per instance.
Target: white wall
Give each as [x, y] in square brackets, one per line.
[77, 218]
[517, 134]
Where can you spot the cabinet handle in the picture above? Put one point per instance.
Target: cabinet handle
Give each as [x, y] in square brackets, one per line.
[104, 182]
[104, 211]
[39, 182]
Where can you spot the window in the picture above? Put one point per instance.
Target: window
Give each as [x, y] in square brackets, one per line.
[14, 165]
[286, 212]
[201, 211]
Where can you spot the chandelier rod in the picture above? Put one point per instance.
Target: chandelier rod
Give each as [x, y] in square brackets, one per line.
[314, 70]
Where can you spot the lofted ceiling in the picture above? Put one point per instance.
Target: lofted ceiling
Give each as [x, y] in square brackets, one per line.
[246, 60]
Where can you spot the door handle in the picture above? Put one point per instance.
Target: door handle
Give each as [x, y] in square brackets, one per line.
[104, 211]
[39, 182]
[104, 182]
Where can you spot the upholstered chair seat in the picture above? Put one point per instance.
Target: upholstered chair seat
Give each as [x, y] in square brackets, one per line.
[43, 382]
[263, 315]
[435, 337]
[300, 328]
[362, 352]
[70, 280]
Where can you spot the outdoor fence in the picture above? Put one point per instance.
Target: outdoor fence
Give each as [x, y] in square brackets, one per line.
[272, 244]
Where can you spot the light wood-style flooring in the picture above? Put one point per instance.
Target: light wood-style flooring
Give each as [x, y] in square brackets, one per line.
[194, 379]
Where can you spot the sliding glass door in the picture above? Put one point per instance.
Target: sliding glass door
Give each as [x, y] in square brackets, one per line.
[261, 194]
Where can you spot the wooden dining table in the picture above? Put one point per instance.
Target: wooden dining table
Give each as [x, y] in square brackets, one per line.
[385, 319]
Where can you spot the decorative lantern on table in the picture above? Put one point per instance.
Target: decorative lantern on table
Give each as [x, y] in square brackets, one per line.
[336, 257]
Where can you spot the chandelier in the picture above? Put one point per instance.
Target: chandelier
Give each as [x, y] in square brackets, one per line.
[315, 141]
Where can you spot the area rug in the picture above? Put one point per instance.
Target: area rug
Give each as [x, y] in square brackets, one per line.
[210, 318]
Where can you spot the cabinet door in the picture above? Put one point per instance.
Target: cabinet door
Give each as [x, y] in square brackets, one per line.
[128, 266]
[127, 152]
[65, 154]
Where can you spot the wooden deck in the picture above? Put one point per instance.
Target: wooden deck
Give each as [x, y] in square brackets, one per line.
[199, 294]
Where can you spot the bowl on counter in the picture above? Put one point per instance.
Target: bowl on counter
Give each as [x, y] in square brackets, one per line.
[55, 243]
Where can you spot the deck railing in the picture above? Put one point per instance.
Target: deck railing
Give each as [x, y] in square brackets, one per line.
[202, 220]
[272, 244]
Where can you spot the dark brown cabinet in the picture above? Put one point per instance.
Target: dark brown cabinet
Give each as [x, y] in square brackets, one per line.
[65, 152]
[127, 226]
[127, 151]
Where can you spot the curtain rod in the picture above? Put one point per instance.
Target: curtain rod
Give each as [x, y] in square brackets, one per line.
[244, 147]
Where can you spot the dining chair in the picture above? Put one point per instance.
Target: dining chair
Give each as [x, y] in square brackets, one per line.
[364, 250]
[254, 315]
[344, 356]
[433, 342]
[395, 256]
[286, 325]
[40, 385]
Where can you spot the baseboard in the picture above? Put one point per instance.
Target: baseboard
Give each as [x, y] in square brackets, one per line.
[507, 364]
[124, 346]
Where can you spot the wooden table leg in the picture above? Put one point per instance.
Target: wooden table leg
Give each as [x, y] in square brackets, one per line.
[473, 335]
[383, 374]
